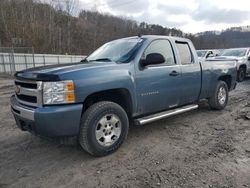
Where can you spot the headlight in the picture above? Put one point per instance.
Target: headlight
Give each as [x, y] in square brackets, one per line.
[58, 92]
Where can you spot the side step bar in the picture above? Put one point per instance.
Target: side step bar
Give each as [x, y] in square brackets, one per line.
[161, 115]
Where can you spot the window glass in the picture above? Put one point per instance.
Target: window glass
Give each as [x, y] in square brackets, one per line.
[118, 50]
[185, 54]
[201, 53]
[238, 52]
[162, 47]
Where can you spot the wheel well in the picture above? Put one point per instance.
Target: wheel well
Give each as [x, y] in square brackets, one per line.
[227, 79]
[244, 67]
[119, 96]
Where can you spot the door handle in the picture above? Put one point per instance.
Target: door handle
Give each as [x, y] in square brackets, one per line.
[174, 73]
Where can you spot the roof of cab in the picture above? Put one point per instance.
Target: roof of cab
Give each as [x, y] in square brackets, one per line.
[244, 48]
[163, 36]
[152, 37]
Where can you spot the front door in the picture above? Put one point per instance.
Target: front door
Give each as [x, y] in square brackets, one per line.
[158, 86]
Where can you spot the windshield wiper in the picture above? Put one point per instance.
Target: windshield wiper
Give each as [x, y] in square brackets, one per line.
[101, 59]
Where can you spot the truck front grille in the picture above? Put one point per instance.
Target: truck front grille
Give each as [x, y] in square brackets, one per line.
[27, 98]
[26, 85]
[29, 92]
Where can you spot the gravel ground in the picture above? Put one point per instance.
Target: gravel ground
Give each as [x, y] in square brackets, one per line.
[202, 148]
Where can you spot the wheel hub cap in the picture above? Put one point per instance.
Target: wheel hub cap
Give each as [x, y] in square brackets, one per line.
[222, 95]
[108, 130]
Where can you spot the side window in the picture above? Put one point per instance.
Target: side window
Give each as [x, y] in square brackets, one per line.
[185, 53]
[162, 47]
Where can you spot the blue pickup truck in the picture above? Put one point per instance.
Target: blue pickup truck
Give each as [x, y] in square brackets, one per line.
[131, 80]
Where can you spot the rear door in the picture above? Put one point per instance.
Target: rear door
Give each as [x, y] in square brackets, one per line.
[191, 73]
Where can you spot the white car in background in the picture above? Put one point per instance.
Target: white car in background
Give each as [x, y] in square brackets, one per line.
[242, 55]
[204, 54]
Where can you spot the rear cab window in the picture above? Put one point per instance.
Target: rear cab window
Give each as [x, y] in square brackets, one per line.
[186, 56]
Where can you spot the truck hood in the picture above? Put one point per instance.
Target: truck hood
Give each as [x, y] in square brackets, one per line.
[53, 72]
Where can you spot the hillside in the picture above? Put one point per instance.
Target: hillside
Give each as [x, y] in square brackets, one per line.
[51, 29]
[232, 37]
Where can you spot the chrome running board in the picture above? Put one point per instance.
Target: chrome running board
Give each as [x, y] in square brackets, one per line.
[161, 115]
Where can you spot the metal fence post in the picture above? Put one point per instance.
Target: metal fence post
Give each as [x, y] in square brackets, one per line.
[10, 63]
[58, 60]
[12, 58]
[25, 60]
[14, 63]
[33, 56]
[44, 62]
[3, 63]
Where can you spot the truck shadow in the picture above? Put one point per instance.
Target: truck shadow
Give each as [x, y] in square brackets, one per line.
[134, 132]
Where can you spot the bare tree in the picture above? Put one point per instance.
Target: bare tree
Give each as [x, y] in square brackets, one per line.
[54, 26]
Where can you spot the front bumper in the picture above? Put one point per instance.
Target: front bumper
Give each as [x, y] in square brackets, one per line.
[49, 121]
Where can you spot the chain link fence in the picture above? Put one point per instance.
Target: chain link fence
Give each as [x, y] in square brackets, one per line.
[16, 59]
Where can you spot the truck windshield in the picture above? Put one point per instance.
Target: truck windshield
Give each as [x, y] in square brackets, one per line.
[119, 50]
[201, 53]
[234, 52]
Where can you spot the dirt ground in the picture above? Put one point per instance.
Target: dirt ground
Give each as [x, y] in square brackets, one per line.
[202, 148]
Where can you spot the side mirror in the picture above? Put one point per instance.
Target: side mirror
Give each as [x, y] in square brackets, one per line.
[248, 58]
[153, 59]
[84, 60]
[210, 54]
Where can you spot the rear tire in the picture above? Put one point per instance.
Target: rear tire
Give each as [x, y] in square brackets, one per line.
[241, 74]
[104, 127]
[220, 98]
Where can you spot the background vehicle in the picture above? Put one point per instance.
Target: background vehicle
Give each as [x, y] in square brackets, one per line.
[140, 79]
[204, 54]
[242, 56]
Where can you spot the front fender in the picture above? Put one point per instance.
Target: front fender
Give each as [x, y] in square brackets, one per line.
[96, 80]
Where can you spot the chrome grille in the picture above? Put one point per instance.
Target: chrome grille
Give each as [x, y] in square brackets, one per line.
[29, 92]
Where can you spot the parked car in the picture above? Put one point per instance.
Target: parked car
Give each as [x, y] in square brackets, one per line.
[137, 79]
[204, 54]
[242, 56]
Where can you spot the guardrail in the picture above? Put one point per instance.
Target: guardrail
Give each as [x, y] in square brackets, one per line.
[12, 62]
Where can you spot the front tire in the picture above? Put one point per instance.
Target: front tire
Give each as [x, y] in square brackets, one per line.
[241, 74]
[220, 98]
[104, 127]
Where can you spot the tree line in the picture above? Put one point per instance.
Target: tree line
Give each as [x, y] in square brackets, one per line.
[55, 28]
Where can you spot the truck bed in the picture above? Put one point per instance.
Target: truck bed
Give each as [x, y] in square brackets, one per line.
[214, 69]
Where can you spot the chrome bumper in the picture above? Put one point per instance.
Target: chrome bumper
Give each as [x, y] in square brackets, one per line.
[21, 111]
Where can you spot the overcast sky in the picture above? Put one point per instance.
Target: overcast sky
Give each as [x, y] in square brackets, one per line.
[188, 15]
